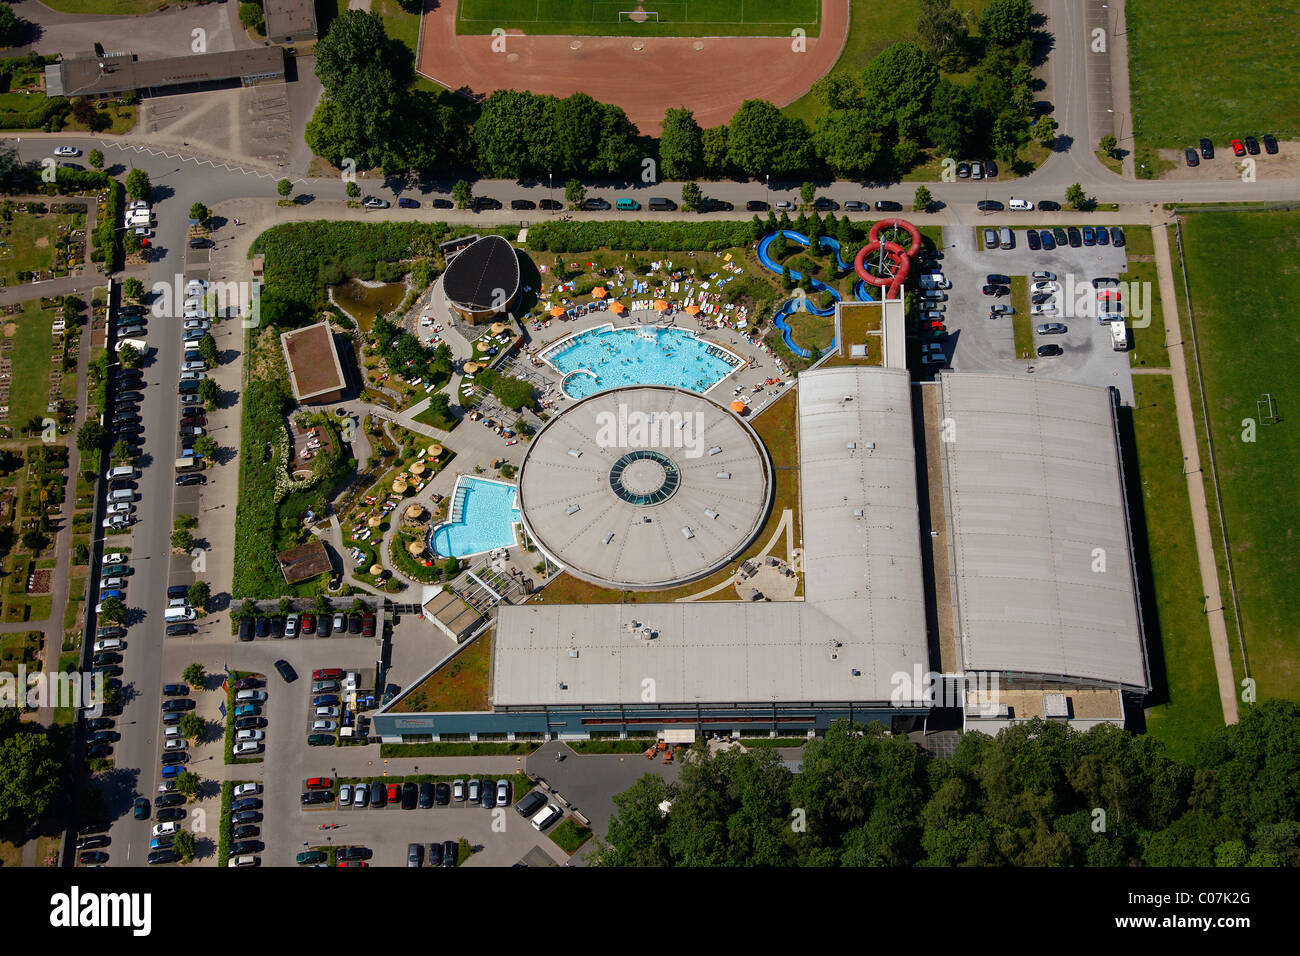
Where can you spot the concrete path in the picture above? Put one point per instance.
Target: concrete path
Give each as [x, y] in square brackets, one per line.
[1192, 469]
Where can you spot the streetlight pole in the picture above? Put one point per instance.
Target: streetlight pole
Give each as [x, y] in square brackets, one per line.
[767, 179]
[550, 187]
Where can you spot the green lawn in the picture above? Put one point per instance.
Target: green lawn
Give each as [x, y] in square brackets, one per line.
[1183, 90]
[570, 835]
[1240, 362]
[29, 391]
[1022, 326]
[1146, 333]
[27, 243]
[872, 27]
[675, 17]
[114, 8]
[1186, 699]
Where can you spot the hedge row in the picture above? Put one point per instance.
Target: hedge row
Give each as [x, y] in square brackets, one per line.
[302, 258]
[256, 573]
[636, 236]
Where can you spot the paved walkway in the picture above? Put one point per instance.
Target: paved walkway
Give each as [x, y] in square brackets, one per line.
[1192, 469]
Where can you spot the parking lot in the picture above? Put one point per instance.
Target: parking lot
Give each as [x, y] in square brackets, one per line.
[978, 343]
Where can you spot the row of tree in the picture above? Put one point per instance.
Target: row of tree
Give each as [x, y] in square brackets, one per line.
[1038, 794]
[876, 122]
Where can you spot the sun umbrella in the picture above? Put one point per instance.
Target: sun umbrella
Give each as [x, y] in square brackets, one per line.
[416, 548]
[376, 569]
[557, 311]
[374, 521]
[471, 368]
[399, 486]
[617, 308]
[414, 513]
[599, 292]
[692, 309]
[737, 407]
[660, 305]
[496, 328]
[417, 468]
[434, 450]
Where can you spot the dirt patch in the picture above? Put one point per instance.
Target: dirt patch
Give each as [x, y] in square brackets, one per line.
[665, 71]
[42, 578]
[42, 242]
[1225, 167]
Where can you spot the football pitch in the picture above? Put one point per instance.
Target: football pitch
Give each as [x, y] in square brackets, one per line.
[672, 18]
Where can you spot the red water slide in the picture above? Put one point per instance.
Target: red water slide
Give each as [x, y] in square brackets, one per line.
[898, 261]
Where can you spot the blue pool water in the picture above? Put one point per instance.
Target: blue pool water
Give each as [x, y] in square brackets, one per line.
[487, 514]
[632, 356]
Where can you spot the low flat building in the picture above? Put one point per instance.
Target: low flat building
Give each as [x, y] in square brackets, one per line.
[315, 372]
[107, 75]
[447, 611]
[290, 21]
[304, 562]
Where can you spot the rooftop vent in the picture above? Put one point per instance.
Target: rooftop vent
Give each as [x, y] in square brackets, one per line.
[687, 533]
[608, 538]
[572, 510]
[710, 512]
[575, 452]
[715, 449]
[724, 474]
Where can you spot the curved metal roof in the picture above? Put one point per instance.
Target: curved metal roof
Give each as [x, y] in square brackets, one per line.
[483, 276]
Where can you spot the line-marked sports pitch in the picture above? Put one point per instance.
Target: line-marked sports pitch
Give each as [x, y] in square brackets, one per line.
[652, 18]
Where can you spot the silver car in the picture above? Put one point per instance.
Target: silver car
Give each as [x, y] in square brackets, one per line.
[1051, 328]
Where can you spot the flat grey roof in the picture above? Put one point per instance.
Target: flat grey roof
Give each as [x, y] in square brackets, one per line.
[861, 625]
[289, 18]
[1044, 571]
[572, 512]
[121, 73]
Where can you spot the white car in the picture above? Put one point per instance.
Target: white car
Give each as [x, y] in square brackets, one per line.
[1043, 276]
[135, 204]
[120, 508]
[117, 557]
[113, 522]
[345, 794]
[246, 747]
[165, 829]
[196, 323]
[109, 644]
[186, 614]
[171, 732]
[246, 790]
[192, 376]
[196, 286]
[1044, 287]
[176, 743]
[66, 151]
[325, 725]
[1045, 308]
[144, 231]
[546, 816]
[242, 735]
[330, 711]
[194, 367]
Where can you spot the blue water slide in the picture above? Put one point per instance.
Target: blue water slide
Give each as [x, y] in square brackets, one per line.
[860, 289]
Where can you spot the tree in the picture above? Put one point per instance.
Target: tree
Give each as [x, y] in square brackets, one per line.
[206, 447]
[199, 595]
[1044, 130]
[681, 145]
[184, 844]
[131, 242]
[253, 17]
[807, 193]
[513, 392]
[132, 288]
[182, 540]
[352, 190]
[450, 568]
[284, 187]
[34, 540]
[194, 674]
[514, 134]
[462, 193]
[286, 605]
[210, 392]
[122, 451]
[112, 611]
[848, 141]
[192, 725]
[188, 783]
[899, 82]
[1108, 144]
[761, 140]
[90, 438]
[200, 213]
[355, 42]
[208, 349]
[1076, 197]
[941, 28]
[921, 201]
[9, 26]
[953, 122]
[96, 158]
[691, 196]
[323, 605]
[1005, 22]
[31, 775]
[138, 185]
[575, 193]
[638, 829]
[129, 356]
[716, 162]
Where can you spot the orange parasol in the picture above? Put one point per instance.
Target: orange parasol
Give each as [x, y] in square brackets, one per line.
[557, 311]
[618, 308]
[660, 305]
[599, 292]
[692, 309]
[737, 407]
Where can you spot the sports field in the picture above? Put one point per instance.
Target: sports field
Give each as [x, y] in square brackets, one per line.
[652, 18]
[1245, 299]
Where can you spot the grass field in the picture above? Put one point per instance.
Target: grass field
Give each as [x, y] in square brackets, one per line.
[1246, 350]
[27, 243]
[1186, 697]
[29, 392]
[112, 8]
[675, 17]
[1183, 90]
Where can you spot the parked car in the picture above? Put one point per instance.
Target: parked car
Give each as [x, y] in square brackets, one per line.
[888, 205]
[1191, 157]
[990, 238]
[1116, 236]
[374, 202]
[596, 203]
[1048, 350]
[442, 794]
[1270, 144]
[286, 671]
[988, 205]
[1207, 149]
[316, 798]
[408, 203]
[1051, 328]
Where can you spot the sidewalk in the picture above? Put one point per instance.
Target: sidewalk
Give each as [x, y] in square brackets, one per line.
[1192, 469]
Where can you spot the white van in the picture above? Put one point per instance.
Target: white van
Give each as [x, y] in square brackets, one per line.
[122, 471]
[122, 494]
[546, 816]
[109, 644]
[935, 280]
[246, 859]
[1020, 205]
[175, 615]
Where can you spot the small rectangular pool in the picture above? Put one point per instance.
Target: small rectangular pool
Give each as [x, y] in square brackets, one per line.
[482, 517]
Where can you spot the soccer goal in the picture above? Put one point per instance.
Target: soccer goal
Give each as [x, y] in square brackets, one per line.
[638, 16]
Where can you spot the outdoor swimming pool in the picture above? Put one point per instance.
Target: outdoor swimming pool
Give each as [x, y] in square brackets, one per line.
[607, 357]
[482, 517]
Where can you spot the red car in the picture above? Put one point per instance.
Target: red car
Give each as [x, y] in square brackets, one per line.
[1104, 294]
[394, 792]
[319, 783]
[328, 673]
[935, 324]
[1237, 148]
[309, 624]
